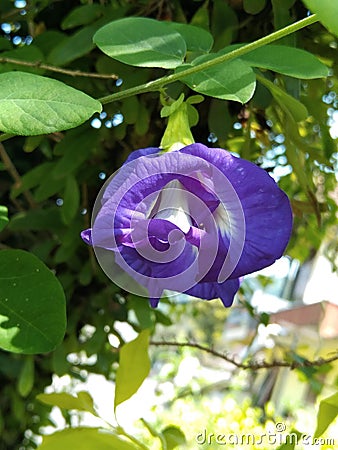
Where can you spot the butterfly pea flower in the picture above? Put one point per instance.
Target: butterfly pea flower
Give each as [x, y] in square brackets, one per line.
[194, 220]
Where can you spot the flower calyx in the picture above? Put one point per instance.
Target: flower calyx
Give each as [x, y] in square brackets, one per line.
[181, 116]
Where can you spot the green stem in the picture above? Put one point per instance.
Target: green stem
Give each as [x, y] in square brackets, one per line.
[163, 81]
[5, 136]
[73, 73]
[123, 432]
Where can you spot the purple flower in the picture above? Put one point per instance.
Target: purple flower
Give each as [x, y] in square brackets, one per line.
[194, 220]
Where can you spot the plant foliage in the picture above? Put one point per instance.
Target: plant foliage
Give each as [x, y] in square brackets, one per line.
[80, 88]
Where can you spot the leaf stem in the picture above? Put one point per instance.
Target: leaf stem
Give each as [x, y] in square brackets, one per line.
[123, 432]
[118, 430]
[163, 81]
[73, 73]
[5, 136]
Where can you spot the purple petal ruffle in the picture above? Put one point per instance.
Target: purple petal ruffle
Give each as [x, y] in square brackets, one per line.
[193, 221]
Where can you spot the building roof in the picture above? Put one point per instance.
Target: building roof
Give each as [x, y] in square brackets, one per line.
[322, 315]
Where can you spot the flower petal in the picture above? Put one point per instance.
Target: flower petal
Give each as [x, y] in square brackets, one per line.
[192, 220]
[266, 208]
[226, 291]
[86, 236]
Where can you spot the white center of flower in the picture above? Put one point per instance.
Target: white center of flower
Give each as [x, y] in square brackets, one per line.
[173, 206]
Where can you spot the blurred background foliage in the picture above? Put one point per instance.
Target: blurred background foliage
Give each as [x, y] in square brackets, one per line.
[58, 176]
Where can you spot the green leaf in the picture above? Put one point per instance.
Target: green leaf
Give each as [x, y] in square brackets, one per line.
[193, 115]
[26, 377]
[143, 120]
[143, 312]
[219, 120]
[328, 411]
[48, 40]
[134, 367]
[73, 47]
[327, 12]
[289, 104]
[233, 80]
[195, 99]
[264, 318]
[32, 142]
[84, 439]
[3, 217]
[224, 24]
[75, 147]
[162, 318]
[32, 105]
[82, 15]
[173, 437]
[130, 110]
[167, 110]
[254, 6]
[290, 61]
[29, 53]
[71, 200]
[81, 42]
[290, 441]
[283, 16]
[32, 304]
[201, 18]
[142, 42]
[49, 186]
[196, 38]
[37, 219]
[82, 401]
[5, 44]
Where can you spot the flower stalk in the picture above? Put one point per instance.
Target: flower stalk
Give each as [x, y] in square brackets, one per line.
[177, 133]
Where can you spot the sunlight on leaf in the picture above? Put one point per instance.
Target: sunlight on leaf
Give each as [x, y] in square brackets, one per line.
[81, 402]
[32, 304]
[288, 103]
[173, 436]
[32, 104]
[234, 80]
[142, 42]
[327, 12]
[328, 411]
[133, 369]
[84, 439]
[196, 38]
